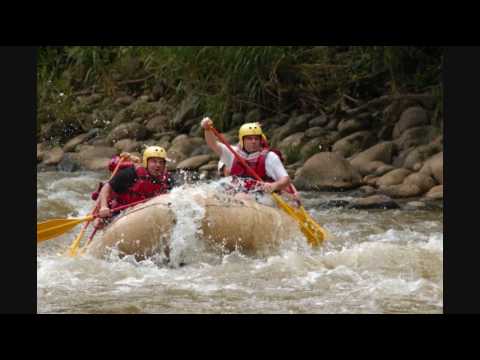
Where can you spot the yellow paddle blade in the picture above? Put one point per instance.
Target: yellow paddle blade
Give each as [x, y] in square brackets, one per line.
[314, 232]
[72, 250]
[55, 227]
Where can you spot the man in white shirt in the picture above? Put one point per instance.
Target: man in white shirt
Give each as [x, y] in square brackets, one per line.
[252, 147]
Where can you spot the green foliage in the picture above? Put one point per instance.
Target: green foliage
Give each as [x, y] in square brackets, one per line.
[230, 79]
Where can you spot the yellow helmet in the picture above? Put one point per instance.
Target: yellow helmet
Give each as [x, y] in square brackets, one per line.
[153, 151]
[250, 129]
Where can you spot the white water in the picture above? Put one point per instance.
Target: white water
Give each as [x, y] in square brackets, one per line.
[381, 261]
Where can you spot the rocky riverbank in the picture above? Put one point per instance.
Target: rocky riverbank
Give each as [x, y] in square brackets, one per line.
[388, 148]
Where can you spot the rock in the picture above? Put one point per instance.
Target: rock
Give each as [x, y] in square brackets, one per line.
[321, 120]
[374, 202]
[127, 145]
[393, 177]
[125, 100]
[401, 157]
[382, 170]
[381, 152]
[186, 110]
[71, 144]
[203, 150]
[419, 135]
[98, 141]
[53, 156]
[157, 124]
[370, 180]
[137, 109]
[332, 124]
[294, 125]
[68, 164]
[367, 190]
[434, 167]
[185, 144]
[314, 132]
[311, 147]
[291, 143]
[354, 143]
[435, 193]
[128, 130]
[210, 166]
[92, 157]
[411, 117]
[350, 126]
[423, 181]
[326, 170]
[416, 204]
[401, 190]
[369, 168]
[92, 99]
[420, 154]
[194, 163]
[42, 148]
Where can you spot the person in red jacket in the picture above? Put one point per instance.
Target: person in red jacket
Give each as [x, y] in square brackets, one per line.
[253, 148]
[136, 182]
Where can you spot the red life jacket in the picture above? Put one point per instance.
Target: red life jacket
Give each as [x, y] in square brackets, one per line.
[257, 164]
[146, 186]
[112, 164]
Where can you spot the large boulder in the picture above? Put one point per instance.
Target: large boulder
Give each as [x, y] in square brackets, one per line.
[434, 167]
[435, 193]
[128, 145]
[294, 125]
[411, 117]
[373, 202]
[393, 177]
[157, 124]
[194, 163]
[400, 190]
[94, 157]
[314, 132]
[382, 152]
[354, 143]
[420, 154]
[125, 131]
[311, 147]
[186, 110]
[350, 126]
[415, 136]
[423, 181]
[327, 171]
[71, 144]
[291, 143]
[53, 156]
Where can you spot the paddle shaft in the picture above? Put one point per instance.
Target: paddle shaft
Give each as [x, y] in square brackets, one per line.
[242, 161]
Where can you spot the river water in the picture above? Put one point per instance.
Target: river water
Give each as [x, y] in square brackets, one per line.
[375, 262]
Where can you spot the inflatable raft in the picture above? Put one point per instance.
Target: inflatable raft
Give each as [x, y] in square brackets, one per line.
[222, 223]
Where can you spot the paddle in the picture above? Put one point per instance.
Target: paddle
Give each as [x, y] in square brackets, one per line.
[314, 232]
[72, 250]
[52, 228]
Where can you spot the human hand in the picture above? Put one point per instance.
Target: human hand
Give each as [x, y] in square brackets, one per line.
[104, 212]
[206, 123]
[268, 187]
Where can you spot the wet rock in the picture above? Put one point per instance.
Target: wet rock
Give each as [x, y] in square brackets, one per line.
[435, 193]
[400, 191]
[327, 171]
[367, 190]
[382, 152]
[419, 135]
[374, 202]
[94, 157]
[411, 117]
[53, 157]
[424, 181]
[68, 164]
[420, 154]
[71, 144]
[194, 163]
[434, 167]
[393, 177]
[127, 145]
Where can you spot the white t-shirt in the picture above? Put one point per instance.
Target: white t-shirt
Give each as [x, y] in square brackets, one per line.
[273, 165]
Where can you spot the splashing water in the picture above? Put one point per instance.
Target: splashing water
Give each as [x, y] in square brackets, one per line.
[376, 262]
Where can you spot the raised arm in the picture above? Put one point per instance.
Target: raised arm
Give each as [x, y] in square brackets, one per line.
[210, 137]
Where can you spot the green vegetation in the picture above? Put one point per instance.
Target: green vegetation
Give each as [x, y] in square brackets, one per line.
[229, 79]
